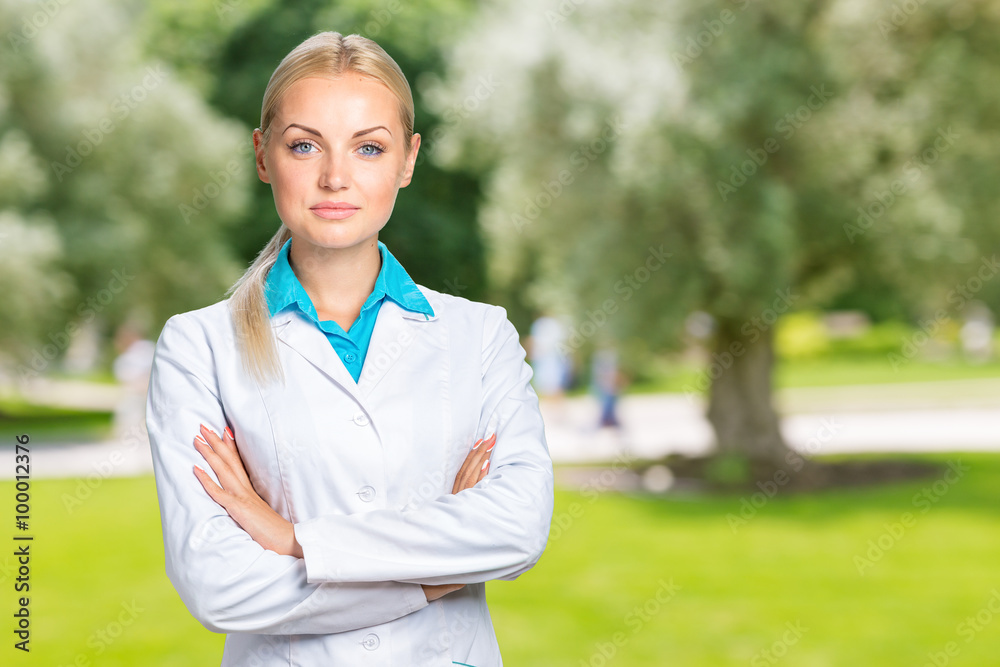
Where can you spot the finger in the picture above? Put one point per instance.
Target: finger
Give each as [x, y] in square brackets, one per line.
[222, 446]
[219, 466]
[485, 469]
[230, 441]
[472, 468]
[225, 449]
[463, 471]
[214, 491]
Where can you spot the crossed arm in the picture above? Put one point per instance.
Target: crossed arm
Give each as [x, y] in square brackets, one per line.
[240, 567]
[276, 533]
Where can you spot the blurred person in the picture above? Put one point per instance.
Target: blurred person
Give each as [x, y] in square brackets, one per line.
[131, 368]
[977, 332]
[606, 382]
[343, 457]
[549, 361]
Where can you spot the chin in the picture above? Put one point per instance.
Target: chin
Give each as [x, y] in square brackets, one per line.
[334, 238]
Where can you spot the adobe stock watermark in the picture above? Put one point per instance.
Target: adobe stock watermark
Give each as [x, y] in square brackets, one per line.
[486, 86]
[788, 125]
[442, 640]
[635, 620]
[750, 506]
[381, 17]
[967, 630]
[713, 29]
[100, 640]
[778, 649]
[563, 11]
[923, 501]
[562, 521]
[751, 331]
[121, 107]
[897, 16]
[626, 287]
[580, 159]
[958, 297]
[218, 181]
[223, 8]
[33, 24]
[60, 340]
[135, 437]
[913, 170]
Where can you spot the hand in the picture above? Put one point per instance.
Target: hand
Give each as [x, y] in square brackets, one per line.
[473, 470]
[238, 497]
[476, 466]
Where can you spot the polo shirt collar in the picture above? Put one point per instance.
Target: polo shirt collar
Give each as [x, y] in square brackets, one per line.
[282, 288]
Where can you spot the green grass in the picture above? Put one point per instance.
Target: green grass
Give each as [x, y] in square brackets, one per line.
[792, 562]
[829, 372]
[51, 424]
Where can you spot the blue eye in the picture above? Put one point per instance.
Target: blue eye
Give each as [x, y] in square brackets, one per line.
[375, 150]
[295, 145]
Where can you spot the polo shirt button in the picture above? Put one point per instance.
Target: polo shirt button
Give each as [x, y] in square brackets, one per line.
[349, 357]
[361, 419]
[367, 494]
[370, 641]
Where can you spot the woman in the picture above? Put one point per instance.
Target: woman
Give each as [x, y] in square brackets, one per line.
[354, 505]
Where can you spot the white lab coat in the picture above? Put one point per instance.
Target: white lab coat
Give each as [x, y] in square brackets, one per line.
[365, 471]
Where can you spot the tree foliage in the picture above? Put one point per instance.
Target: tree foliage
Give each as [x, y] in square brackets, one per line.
[101, 150]
[785, 154]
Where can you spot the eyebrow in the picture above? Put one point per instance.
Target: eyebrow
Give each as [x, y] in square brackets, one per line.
[359, 133]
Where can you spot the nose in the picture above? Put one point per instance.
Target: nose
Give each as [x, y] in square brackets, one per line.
[335, 173]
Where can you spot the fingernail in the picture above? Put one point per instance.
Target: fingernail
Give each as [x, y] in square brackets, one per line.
[493, 442]
[201, 439]
[487, 463]
[478, 442]
[229, 433]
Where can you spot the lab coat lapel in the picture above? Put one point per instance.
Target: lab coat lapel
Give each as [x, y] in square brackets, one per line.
[393, 335]
[294, 330]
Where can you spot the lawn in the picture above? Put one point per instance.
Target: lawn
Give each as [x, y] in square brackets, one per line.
[626, 580]
[829, 372]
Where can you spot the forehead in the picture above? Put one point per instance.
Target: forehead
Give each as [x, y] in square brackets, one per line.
[347, 103]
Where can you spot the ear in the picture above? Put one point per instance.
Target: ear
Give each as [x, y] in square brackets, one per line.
[258, 150]
[411, 161]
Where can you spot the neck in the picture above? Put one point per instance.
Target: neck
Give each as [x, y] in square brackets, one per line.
[338, 280]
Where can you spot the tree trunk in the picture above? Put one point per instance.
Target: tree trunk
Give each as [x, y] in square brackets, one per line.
[740, 405]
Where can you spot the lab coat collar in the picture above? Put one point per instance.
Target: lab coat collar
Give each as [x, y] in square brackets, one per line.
[394, 332]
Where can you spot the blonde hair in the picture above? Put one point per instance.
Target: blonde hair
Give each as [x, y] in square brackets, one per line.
[325, 54]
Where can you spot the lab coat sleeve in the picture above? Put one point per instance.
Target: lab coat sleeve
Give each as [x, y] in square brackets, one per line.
[496, 530]
[227, 581]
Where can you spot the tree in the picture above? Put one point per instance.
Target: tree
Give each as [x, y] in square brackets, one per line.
[648, 159]
[120, 185]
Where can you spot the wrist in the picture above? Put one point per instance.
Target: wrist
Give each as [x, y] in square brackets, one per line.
[295, 549]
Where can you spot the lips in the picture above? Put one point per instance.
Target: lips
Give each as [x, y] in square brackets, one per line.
[338, 210]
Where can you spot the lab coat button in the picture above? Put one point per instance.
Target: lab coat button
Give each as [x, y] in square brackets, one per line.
[361, 419]
[370, 641]
[349, 357]
[367, 494]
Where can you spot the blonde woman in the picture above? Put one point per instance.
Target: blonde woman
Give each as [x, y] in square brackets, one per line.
[343, 458]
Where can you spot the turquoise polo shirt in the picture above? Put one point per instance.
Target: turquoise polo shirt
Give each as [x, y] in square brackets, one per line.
[282, 289]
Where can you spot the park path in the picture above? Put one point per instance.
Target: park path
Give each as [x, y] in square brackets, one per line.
[917, 417]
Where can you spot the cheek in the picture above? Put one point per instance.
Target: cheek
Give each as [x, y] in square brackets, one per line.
[287, 179]
[380, 185]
